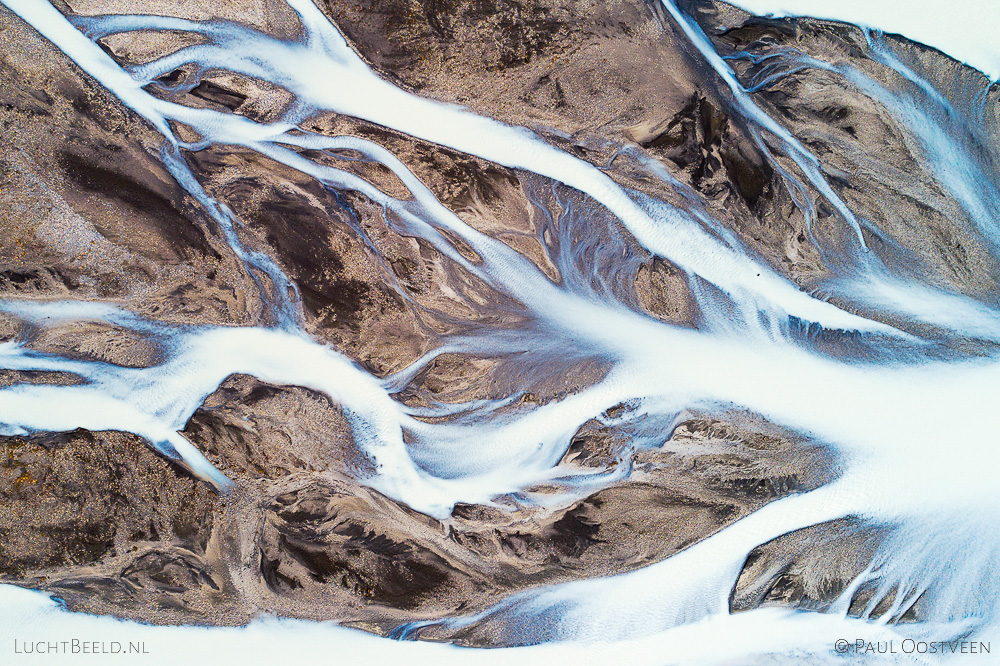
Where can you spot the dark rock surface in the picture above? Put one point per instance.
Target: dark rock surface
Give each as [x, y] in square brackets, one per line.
[100, 521]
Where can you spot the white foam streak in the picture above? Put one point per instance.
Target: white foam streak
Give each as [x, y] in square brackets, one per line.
[806, 161]
[721, 639]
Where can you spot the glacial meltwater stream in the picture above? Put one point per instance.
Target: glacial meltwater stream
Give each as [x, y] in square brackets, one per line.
[898, 375]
